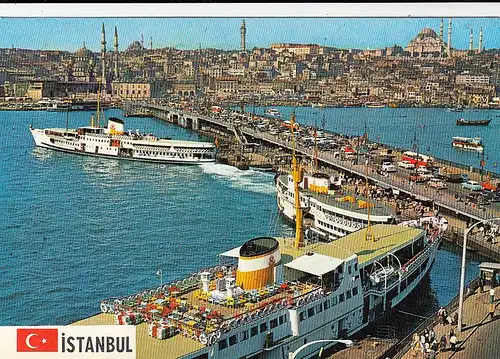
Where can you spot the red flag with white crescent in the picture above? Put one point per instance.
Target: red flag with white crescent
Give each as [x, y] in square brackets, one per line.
[37, 340]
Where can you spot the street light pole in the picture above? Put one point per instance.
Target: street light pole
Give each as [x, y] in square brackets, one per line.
[462, 274]
[160, 274]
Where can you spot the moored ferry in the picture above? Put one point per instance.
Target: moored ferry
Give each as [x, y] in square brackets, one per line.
[114, 142]
[276, 298]
[467, 143]
[331, 211]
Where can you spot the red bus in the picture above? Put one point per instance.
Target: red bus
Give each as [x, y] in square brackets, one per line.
[418, 160]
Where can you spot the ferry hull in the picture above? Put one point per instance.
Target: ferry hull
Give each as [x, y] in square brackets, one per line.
[73, 147]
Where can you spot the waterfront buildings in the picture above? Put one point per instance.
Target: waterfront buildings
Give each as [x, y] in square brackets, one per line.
[428, 71]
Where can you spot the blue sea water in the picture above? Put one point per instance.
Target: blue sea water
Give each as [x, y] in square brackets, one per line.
[431, 128]
[77, 229]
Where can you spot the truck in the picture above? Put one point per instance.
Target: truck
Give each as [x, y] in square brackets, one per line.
[449, 176]
[492, 186]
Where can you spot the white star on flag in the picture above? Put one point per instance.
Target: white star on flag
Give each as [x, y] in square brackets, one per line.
[44, 341]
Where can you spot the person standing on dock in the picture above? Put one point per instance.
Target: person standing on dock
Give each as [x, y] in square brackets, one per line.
[481, 284]
[492, 302]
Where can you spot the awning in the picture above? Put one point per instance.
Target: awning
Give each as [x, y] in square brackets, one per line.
[315, 264]
[489, 266]
[232, 253]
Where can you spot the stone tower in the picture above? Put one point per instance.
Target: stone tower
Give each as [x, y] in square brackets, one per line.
[116, 66]
[449, 39]
[471, 40]
[480, 47]
[243, 32]
[103, 56]
[441, 27]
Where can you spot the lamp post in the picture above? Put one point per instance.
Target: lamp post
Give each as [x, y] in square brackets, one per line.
[462, 274]
[159, 273]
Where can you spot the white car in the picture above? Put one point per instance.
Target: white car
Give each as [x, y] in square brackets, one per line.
[437, 183]
[406, 164]
[423, 170]
[389, 167]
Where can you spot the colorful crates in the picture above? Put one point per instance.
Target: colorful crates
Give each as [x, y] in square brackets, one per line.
[128, 318]
[161, 331]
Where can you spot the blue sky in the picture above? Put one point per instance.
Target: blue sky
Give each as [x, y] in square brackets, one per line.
[223, 33]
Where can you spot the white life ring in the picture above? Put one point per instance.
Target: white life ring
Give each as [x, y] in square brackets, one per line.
[137, 296]
[284, 303]
[300, 302]
[213, 339]
[104, 307]
[203, 339]
[258, 313]
[322, 292]
[111, 308]
[151, 292]
[165, 287]
[348, 223]
[225, 327]
[243, 319]
[117, 302]
[218, 334]
[158, 290]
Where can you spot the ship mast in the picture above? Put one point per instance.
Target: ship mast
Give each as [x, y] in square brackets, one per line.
[297, 178]
[369, 229]
[315, 148]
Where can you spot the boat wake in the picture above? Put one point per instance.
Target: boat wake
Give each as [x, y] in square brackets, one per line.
[249, 180]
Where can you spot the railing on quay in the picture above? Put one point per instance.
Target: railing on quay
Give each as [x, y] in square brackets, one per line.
[401, 348]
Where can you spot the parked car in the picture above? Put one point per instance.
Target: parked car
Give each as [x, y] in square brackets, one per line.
[423, 170]
[418, 178]
[406, 164]
[389, 167]
[472, 185]
[437, 183]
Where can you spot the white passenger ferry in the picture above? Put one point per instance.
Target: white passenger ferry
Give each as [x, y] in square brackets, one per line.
[468, 143]
[333, 212]
[114, 142]
[278, 298]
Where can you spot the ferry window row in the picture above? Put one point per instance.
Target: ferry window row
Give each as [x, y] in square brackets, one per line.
[262, 328]
[329, 303]
[330, 226]
[338, 215]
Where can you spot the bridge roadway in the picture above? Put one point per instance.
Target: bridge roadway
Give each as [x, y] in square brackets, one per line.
[441, 199]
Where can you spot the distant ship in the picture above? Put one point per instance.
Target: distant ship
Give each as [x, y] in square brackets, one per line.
[114, 142]
[455, 109]
[467, 143]
[464, 122]
[374, 105]
[273, 112]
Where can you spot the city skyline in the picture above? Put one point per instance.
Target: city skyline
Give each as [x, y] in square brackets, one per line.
[224, 33]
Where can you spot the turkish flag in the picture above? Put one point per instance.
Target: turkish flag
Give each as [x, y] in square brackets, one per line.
[37, 340]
